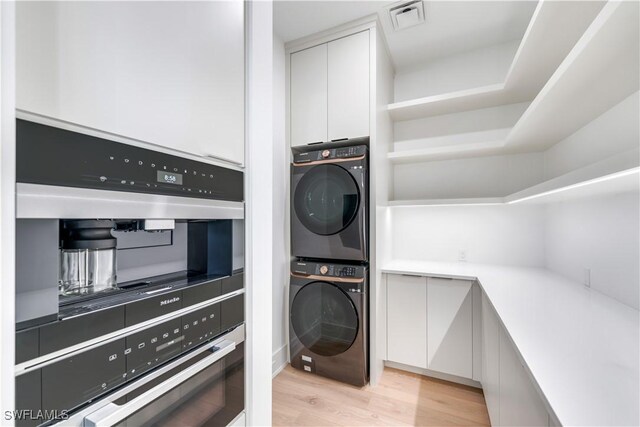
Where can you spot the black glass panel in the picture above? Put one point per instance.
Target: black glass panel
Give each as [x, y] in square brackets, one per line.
[213, 397]
[326, 199]
[324, 319]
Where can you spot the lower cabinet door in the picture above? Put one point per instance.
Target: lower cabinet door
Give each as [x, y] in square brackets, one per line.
[450, 326]
[520, 404]
[407, 320]
[491, 360]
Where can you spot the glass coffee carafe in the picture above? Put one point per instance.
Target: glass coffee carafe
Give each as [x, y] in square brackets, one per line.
[87, 257]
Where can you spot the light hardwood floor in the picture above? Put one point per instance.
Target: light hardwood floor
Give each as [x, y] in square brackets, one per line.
[401, 398]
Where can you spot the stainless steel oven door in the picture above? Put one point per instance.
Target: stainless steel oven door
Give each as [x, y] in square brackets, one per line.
[202, 388]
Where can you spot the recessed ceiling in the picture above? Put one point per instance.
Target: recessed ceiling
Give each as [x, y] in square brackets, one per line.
[298, 18]
[451, 27]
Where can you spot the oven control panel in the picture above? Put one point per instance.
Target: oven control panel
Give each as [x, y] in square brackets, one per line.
[52, 156]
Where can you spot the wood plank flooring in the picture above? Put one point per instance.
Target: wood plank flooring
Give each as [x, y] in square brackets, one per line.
[401, 399]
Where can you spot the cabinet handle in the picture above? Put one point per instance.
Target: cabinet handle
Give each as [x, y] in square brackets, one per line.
[339, 139]
[315, 143]
[412, 275]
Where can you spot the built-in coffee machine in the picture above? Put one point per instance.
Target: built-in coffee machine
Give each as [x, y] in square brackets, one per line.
[129, 284]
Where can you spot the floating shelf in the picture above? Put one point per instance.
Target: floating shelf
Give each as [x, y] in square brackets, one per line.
[554, 29]
[447, 152]
[593, 78]
[617, 174]
[599, 72]
[479, 201]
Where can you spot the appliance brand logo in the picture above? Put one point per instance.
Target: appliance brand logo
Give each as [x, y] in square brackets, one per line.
[169, 301]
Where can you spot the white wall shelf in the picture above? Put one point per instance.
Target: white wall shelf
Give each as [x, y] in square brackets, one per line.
[617, 174]
[456, 151]
[552, 32]
[599, 72]
[591, 80]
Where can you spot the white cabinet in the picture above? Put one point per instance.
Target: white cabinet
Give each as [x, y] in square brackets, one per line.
[520, 404]
[407, 320]
[329, 91]
[166, 73]
[491, 360]
[349, 86]
[309, 95]
[449, 326]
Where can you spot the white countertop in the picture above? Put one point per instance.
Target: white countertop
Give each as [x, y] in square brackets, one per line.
[581, 347]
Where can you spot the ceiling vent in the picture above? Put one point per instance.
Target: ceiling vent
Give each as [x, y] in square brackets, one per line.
[407, 14]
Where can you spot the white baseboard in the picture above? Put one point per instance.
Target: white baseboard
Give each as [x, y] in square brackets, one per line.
[433, 374]
[279, 360]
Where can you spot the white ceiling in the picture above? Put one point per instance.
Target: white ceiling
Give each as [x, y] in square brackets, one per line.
[451, 27]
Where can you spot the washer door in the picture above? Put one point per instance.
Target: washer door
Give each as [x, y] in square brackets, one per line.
[326, 199]
[324, 319]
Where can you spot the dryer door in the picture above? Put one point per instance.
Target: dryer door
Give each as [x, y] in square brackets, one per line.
[324, 318]
[326, 199]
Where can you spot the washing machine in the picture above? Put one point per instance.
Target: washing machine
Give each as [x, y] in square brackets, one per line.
[329, 204]
[328, 320]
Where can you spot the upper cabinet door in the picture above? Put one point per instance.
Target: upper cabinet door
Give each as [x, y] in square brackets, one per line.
[449, 326]
[167, 73]
[349, 86]
[308, 76]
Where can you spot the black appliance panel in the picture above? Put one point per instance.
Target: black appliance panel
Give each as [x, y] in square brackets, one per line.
[331, 153]
[80, 378]
[27, 345]
[29, 398]
[68, 332]
[231, 312]
[42, 157]
[328, 269]
[149, 308]
[212, 397]
[147, 349]
[200, 326]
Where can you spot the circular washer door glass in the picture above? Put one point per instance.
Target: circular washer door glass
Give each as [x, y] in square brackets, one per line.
[326, 199]
[324, 319]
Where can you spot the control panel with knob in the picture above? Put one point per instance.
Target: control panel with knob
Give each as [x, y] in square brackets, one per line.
[309, 268]
[342, 153]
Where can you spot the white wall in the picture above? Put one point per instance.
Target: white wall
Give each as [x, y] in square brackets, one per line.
[599, 234]
[501, 234]
[280, 178]
[494, 176]
[615, 131]
[479, 67]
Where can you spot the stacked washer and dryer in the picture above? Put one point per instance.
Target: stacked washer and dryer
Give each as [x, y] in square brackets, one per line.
[328, 294]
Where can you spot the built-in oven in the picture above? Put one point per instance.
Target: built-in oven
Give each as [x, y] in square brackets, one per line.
[202, 388]
[129, 284]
